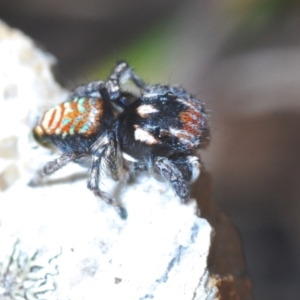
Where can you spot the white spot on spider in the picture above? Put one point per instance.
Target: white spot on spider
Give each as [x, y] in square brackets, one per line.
[144, 136]
[57, 117]
[194, 160]
[94, 112]
[183, 135]
[128, 157]
[68, 108]
[190, 104]
[47, 117]
[58, 131]
[150, 95]
[146, 109]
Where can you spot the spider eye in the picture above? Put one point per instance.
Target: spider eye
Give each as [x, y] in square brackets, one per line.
[124, 101]
[157, 131]
[170, 95]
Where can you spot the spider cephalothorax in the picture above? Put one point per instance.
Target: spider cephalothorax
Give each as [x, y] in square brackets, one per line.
[162, 129]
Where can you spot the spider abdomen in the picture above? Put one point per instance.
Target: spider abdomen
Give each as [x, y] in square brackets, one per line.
[76, 116]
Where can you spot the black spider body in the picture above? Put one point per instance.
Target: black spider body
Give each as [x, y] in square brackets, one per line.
[159, 130]
[165, 121]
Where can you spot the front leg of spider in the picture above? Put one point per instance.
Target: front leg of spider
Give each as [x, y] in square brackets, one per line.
[122, 73]
[105, 154]
[92, 89]
[168, 171]
[53, 166]
[189, 166]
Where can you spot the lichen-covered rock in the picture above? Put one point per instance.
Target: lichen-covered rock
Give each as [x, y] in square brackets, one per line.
[8, 173]
[27, 86]
[23, 276]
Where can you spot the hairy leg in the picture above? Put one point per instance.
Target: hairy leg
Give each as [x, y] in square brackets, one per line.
[53, 166]
[189, 166]
[169, 171]
[122, 73]
[105, 153]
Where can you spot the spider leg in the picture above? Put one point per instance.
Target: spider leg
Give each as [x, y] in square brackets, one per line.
[105, 154]
[91, 89]
[111, 89]
[122, 73]
[53, 166]
[107, 147]
[189, 166]
[170, 172]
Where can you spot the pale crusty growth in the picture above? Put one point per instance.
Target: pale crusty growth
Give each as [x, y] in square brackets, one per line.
[24, 276]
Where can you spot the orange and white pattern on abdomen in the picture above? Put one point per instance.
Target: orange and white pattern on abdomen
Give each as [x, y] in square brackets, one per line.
[193, 122]
[76, 116]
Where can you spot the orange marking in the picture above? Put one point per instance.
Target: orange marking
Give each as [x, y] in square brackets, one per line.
[95, 120]
[52, 122]
[191, 120]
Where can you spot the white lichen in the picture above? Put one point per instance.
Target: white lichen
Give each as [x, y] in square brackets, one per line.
[26, 277]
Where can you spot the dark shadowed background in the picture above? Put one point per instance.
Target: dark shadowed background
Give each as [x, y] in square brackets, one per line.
[240, 57]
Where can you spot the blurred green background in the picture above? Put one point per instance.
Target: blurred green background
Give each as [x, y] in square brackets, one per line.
[240, 57]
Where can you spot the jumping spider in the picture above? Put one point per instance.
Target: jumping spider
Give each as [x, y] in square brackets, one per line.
[159, 129]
